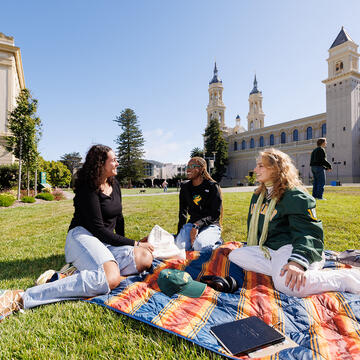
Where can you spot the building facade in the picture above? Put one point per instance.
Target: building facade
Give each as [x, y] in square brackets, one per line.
[340, 124]
[157, 170]
[11, 82]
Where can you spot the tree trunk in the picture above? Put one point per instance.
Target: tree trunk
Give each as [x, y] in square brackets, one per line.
[27, 181]
[19, 178]
[35, 186]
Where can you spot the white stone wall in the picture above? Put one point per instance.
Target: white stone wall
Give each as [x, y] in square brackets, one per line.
[11, 81]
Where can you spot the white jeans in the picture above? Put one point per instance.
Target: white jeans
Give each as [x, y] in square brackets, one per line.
[88, 254]
[251, 258]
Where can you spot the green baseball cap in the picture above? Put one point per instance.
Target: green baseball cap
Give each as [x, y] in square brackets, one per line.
[173, 281]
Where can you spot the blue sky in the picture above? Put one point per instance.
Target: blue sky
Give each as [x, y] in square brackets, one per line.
[85, 61]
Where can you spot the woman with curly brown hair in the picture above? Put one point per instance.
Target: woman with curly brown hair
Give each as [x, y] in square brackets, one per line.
[95, 244]
[201, 199]
[285, 238]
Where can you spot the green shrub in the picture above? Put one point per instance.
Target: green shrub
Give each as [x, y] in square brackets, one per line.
[28, 199]
[251, 179]
[45, 196]
[6, 200]
[8, 176]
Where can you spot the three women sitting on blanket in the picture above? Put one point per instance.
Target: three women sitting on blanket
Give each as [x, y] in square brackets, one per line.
[200, 198]
[92, 246]
[285, 238]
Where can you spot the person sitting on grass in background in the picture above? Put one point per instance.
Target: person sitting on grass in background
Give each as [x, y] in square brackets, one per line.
[201, 199]
[285, 238]
[95, 244]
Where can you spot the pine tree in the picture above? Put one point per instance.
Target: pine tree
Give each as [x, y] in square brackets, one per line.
[215, 144]
[73, 162]
[24, 127]
[130, 147]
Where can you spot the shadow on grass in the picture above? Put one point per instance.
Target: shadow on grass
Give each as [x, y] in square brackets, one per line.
[18, 269]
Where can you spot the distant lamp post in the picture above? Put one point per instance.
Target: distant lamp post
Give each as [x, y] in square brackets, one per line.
[337, 163]
[211, 161]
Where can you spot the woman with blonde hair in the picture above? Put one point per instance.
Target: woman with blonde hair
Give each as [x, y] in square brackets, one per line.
[285, 238]
[200, 198]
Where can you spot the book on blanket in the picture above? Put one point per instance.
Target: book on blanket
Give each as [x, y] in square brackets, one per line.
[246, 335]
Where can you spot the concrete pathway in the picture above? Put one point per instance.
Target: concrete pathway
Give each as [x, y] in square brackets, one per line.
[236, 189]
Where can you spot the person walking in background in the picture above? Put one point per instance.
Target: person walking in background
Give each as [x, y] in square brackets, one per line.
[164, 185]
[319, 165]
[201, 199]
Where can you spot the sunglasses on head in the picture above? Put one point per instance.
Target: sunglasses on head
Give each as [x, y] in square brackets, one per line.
[192, 166]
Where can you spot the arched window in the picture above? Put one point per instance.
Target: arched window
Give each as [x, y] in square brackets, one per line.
[283, 138]
[272, 142]
[261, 141]
[235, 145]
[252, 143]
[243, 145]
[339, 66]
[251, 125]
[323, 130]
[309, 133]
[295, 135]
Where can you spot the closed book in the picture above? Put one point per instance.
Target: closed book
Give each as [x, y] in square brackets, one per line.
[246, 335]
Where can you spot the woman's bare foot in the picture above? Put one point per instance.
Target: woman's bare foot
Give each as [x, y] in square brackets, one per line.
[10, 301]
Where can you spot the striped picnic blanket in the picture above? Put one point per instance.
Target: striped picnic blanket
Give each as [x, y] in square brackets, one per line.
[325, 326]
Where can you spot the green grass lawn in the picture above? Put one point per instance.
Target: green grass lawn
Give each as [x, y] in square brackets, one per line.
[32, 241]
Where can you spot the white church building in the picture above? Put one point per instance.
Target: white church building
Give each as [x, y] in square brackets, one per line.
[11, 82]
[340, 124]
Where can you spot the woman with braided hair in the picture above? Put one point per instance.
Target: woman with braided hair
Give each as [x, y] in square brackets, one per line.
[285, 238]
[200, 198]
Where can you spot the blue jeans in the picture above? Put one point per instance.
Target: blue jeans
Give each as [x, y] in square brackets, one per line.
[88, 254]
[209, 237]
[319, 181]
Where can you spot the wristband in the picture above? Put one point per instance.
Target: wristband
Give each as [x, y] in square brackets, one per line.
[137, 243]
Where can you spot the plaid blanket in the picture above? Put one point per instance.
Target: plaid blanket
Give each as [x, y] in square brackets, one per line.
[325, 326]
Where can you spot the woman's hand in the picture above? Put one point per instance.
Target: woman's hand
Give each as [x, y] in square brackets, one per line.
[146, 245]
[295, 276]
[193, 235]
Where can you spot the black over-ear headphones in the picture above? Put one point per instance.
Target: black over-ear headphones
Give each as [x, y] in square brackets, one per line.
[223, 284]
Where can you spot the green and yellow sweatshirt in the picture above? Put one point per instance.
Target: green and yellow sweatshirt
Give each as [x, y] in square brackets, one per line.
[294, 222]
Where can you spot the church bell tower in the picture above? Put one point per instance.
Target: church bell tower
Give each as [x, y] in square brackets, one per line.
[256, 115]
[343, 108]
[216, 107]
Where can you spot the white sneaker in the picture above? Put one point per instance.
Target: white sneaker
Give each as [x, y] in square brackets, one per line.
[45, 277]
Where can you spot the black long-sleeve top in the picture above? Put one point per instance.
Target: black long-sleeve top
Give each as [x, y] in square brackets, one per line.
[203, 204]
[318, 158]
[101, 215]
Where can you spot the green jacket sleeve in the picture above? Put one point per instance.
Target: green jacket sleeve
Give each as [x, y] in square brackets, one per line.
[305, 229]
